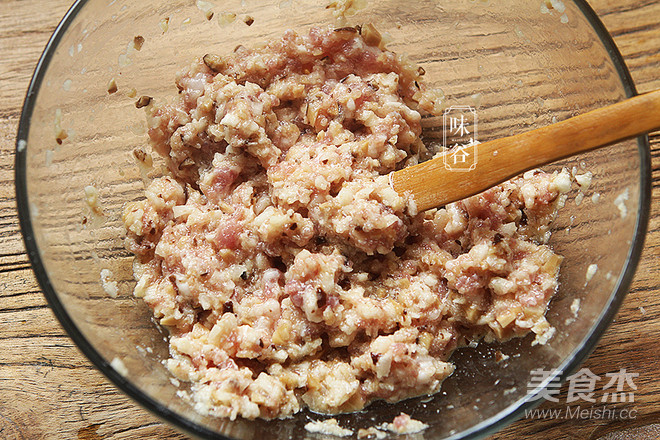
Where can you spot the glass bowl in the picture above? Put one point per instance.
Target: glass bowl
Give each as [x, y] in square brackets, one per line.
[519, 64]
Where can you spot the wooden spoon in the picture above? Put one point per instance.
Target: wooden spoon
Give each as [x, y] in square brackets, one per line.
[432, 185]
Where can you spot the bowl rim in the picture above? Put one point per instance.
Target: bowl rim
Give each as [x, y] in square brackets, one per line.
[478, 431]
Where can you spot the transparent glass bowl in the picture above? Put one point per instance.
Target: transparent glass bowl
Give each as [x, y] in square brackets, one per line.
[517, 63]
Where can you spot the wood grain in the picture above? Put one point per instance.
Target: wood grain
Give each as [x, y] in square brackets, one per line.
[432, 185]
[48, 389]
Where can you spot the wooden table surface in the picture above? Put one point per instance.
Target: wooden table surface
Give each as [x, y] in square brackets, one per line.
[48, 389]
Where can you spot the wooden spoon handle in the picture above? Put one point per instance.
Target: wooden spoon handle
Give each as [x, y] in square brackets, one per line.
[431, 185]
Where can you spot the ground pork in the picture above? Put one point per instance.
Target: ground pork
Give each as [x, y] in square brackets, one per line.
[287, 271]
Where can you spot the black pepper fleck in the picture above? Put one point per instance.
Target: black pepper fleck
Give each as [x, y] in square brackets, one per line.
[138, 41]
[523, 218]
[348, 29]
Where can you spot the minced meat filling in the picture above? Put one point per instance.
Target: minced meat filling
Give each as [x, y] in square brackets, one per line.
[286, 269]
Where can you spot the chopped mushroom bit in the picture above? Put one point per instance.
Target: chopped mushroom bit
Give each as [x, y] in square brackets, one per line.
[61, 136]
[143, 101]
[214, 62]
[112, 86]
[371, 35]
[138, 41]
